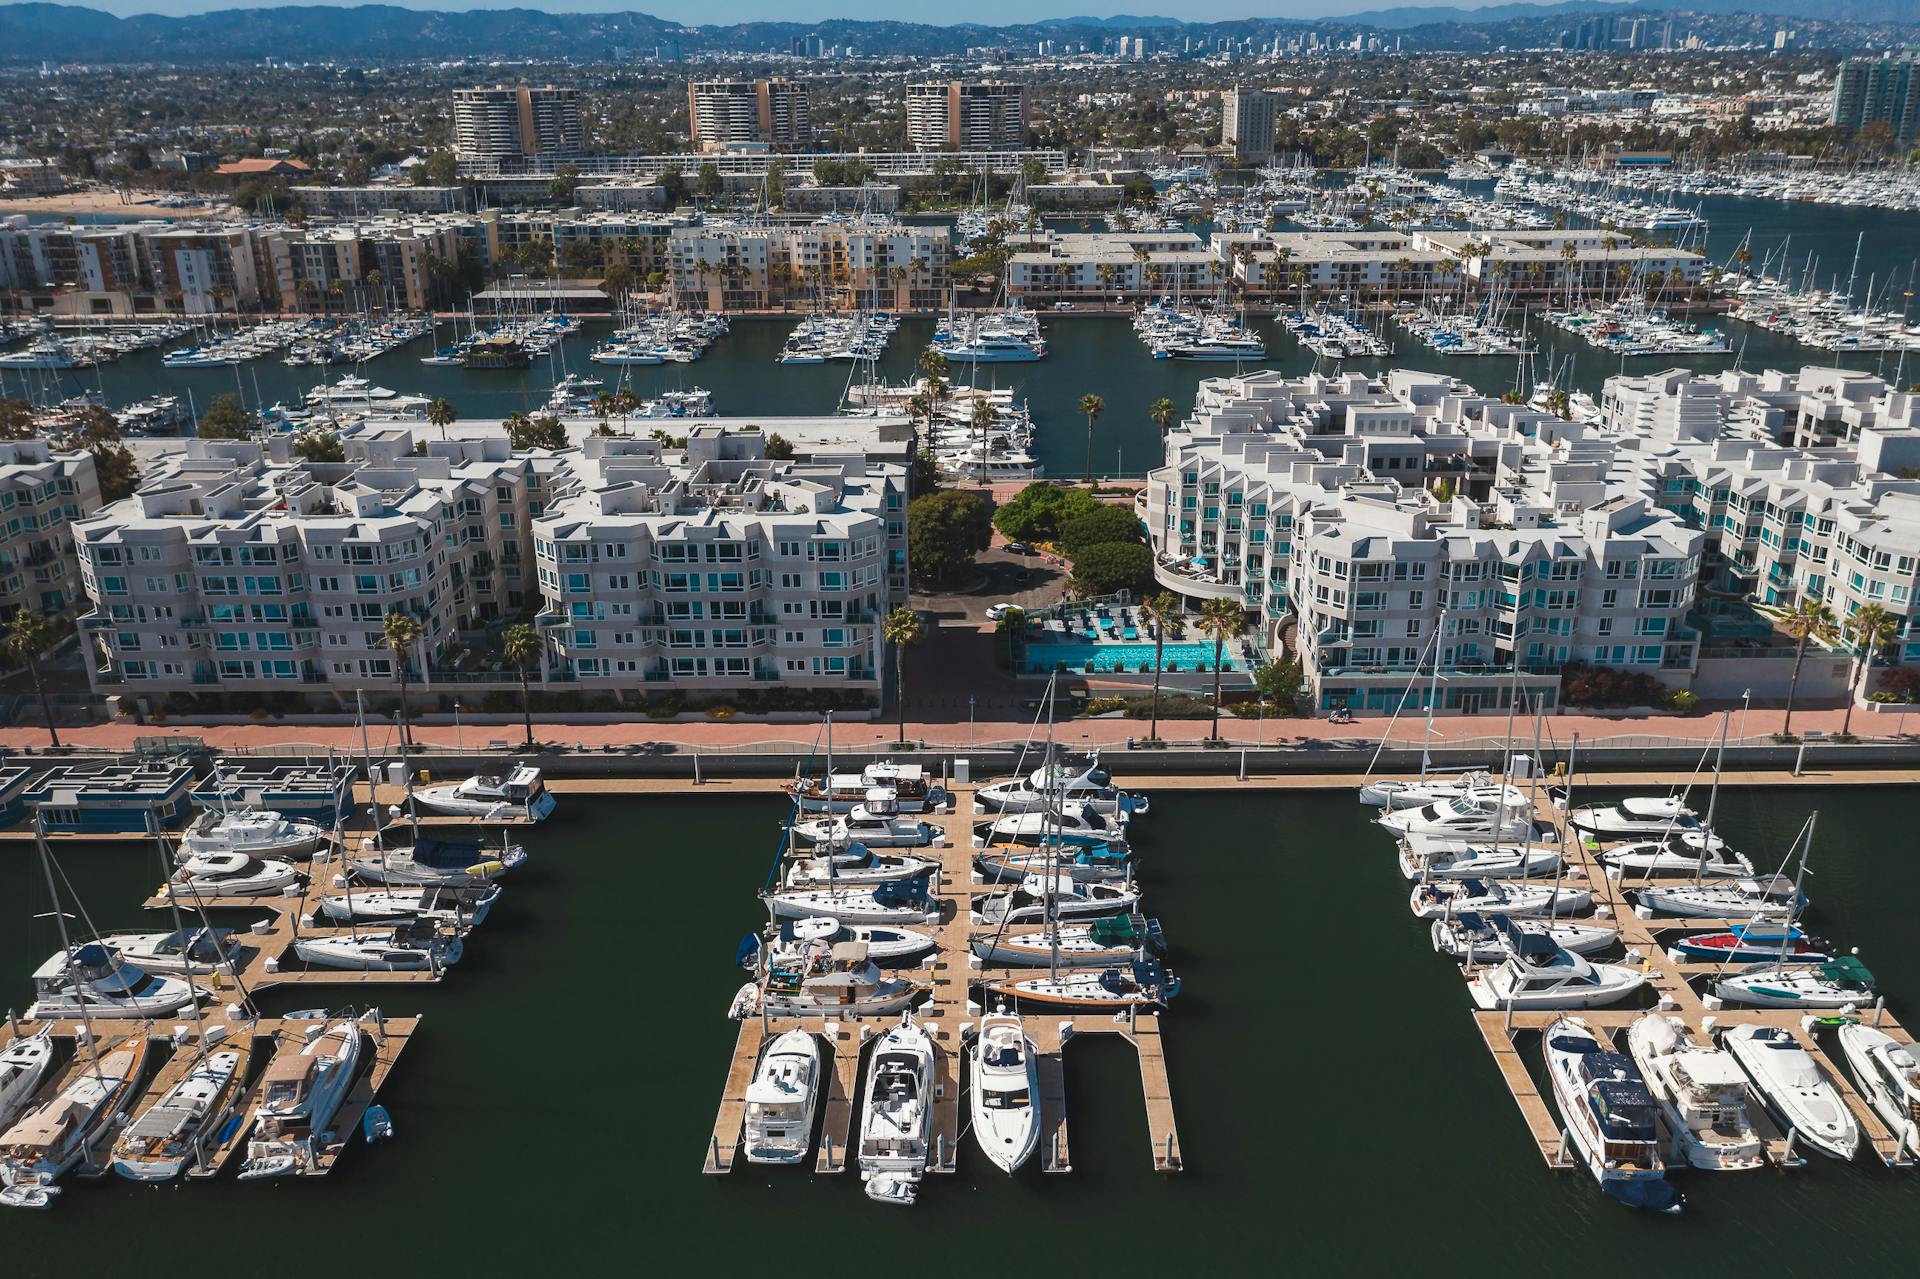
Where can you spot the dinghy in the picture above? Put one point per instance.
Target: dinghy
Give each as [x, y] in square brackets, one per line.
[1838, 983]
[1701, 1092]
[1889, 1077]
[896, 1120]
[1482, 939]
[1106, 942]
[1795, 1089]
[1538, 973]
[781, 1100]
[172, 1132]
[1143, 983]
[1006, 1091]
[1608, 1114]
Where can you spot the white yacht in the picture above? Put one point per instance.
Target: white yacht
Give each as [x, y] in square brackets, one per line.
[1073, 825]
[94, 980]
[455, 908]
[1138, 983]
[211, 875]
[1438, 898]
[1609, 1116]
[1049, 786]
[1794, 1087]
[876, 822]
[1435, 788]
[1508, 816]
[884, 943]
[161, 1140]
[893, 901]
[23, 1065]
[519, 795]
[870, 869]
[429, 861]
[782, 1098]
[1635, 817]
[1694, 853]
[1483, 939]
[1701, 1093]
[896, 1122]
[1889, 1077]
[913, 790]
[1444, 857]
[83, 1114]
[825, 979]
[198, 950]
[1842, 982]
[1006, 1091]
[250, 832]
[1084, 865]
[300, 1091]
[1539, 973]
[1107, 942]
[416, 946]
[1771, 897]
[1028, 902]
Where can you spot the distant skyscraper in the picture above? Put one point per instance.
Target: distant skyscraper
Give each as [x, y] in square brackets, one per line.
[501, 123]
[1246, 122]
[1885, 88]
[966, 115]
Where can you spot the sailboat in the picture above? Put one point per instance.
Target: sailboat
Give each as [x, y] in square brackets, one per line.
[457, 908]
[81, 1117]
[174, 1130]
[414, 946]
[1142, 983]
[1107, 942]
[896, 1123]
[1039, 895]
[1006, 1091]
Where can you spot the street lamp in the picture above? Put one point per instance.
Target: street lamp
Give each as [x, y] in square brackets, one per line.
[459, 737]
[1746, 703]
[969, 723]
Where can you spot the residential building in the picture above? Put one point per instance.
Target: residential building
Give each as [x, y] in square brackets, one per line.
[1103, 267]
[1246, 123]
[966, 115]
[1886, 88]
[846, 265]
[508, 124]
[41, 494]
[728, 115]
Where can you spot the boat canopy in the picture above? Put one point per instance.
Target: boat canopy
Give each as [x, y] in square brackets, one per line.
[1846, 970]
[917, 891]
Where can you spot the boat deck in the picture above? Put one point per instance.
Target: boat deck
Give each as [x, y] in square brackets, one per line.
[950, 1016]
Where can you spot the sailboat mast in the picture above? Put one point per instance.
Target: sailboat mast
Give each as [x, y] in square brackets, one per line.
[180, 928]
[66, 942]
[1713, 799]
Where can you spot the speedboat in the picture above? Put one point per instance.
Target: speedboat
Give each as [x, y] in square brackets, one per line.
[1482, 814]
[163, 1138]
[432, 862]
[1701, 1092]
[893, 901]
[1539, 973]
[23, 1064]
[1693, 853]
[871, 869]
[1753, 944]
[1889, 1076]
[885, 944]
[1072, 825]
[1070, 898]
[92, 980]
[896, 1123]
[1794, 1087]
[825, 979]
[456, 908]
[876, 821]
[195, 950]
[1427, 857]
[781, 1100]
[518, 796]
[251, 832]
[1838, 983]
[1083, 865]
[1006, 1091]
[1635, 817]
[1438, 898]
[81, 1117]
[212, 875]
[300, 1091]
[1608, 1114]
[1106, 942]
[1421, 791]
[1051, 785]
[415, 946]
[1482, 939]
[1143, 983]
[1760, 896]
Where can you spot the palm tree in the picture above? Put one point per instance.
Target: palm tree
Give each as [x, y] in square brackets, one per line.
[1163, 411]
[401, 632]
[440, 413]
[520, 644]
[902, 629]
[1807, 620]
[28, 636]
[983, 416]
[1160, 612]
[1221, 619]
[1873, 628]
[1093, 406]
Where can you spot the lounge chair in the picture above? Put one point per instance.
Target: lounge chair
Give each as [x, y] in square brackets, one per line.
[1128, 633]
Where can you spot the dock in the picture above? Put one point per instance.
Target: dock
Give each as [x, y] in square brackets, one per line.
[950, 1017]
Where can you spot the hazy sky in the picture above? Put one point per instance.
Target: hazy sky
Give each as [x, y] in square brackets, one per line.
[722, 11]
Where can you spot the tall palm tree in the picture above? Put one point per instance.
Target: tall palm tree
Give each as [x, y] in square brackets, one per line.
[520, 644]
[440, 413]
[1163, 411]
[1872, 628]
[1807, 620]
[1093, 406]
[902, 629]
[983, 416]
[1222, 620]
[1160, 612]
[401, 632]
[29, 635]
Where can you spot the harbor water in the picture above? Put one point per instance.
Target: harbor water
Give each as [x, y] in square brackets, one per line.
[1336, 1104]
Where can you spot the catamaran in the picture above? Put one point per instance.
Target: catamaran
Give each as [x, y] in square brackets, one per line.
[1609, 1116]
[1794, 1087]
[300, 1092]
[75, 1124]
[175, 1130]
[1701, 1092]
[897, 1122]
[1006, 1091]
[519, 795]
[781, 1100]
[1890, 1078]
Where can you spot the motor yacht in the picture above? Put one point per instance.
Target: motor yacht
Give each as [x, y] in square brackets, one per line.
[1419, 792]
[1006, 1091]
[1483, 938]
[1693, 853]
[195, 950]
[249, 832]
[1794, 1087]
[893, 901]
[455, 908]
[24, 1063]
[400, 856]
[1083, 865]
[1540, 973]
[1889, 1076]
[781, 1100]
[876, 822]
[1701, 1092]
[885, 944]
[1753, 944]
[1142, 983]
[412, 947]
[1444, 857]
[1608, 1114]
[913, 790]
[96, 981]
[1050, 786]
[518, 795]
[1637, 817]
[825, 979]
[1438, 898]
[1106, 942]
[81, 1117]
[871, 869]
[299, 1093]
[1070, 898]
[1837, 983]
[175, 1130]
[211, 875]
[896, 1121]
[1072, 825]
[1466, 817]
[1759, 896]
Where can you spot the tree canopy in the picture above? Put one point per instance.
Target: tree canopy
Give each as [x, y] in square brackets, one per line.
[1038, 512]
[1108, 567]
[1103, 524]
[223, 420]
[946, 530]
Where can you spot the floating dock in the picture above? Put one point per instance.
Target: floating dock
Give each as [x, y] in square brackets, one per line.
[949, 1017]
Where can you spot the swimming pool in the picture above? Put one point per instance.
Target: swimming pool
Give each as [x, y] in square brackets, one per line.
[1043, 657]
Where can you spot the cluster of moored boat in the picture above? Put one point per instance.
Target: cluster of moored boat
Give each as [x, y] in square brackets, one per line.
[406, 899]
[1334, 334]
[1631, 327]
[853, 911]
[857, 335]
[1175, 332]
[1492, 882]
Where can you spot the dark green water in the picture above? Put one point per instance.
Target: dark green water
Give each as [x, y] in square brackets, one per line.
[557, 1099]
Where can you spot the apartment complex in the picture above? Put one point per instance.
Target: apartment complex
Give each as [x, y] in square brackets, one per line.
[1886, 88]
[966, 115]
[889, 265]
[1246, 123]
[1101, 267]
[41, 494]
[732, 115]
[503, 124]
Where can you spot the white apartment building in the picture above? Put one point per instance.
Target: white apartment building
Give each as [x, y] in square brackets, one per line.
[507, 123]
[1246, 122]
[892, 265]
[966, 115]
[41, 494]
[1099, 266]
[728, 115]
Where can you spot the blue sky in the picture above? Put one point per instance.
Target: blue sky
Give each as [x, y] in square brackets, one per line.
[720, 11]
